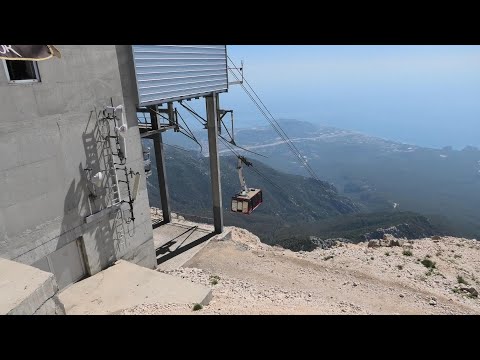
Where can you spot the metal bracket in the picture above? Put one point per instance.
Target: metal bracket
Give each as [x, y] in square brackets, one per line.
[104, 212]
[241, 71]
[221, 115]
[244, 160]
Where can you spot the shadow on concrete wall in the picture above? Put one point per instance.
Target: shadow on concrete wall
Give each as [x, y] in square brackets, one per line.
[83, 198]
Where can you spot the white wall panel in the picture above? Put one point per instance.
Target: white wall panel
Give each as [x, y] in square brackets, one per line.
[167, 73]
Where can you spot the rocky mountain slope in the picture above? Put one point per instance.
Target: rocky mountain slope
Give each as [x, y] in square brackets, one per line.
[294, 209]
[439, 275]
[292, 197]
[189, 173]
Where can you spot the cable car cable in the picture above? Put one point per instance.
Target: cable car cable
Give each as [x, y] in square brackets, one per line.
[259, 99]
[298, 155]
[228, 132]
[159, 114]
[253, 168]
[181, 118]
[286, 140]
[229, 147]
[240, 147]
[279, 130]
[200, 119]
[191, 132]
[237, 155]
[191, 136]
[250, 151]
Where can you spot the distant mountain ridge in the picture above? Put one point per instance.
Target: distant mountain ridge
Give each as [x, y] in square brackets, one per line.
[189, 184]
[294, 210]
[377, 174]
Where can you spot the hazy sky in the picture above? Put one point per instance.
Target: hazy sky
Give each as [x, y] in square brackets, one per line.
[424, 95]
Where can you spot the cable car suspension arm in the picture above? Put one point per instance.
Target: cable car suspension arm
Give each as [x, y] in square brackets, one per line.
[241, 161]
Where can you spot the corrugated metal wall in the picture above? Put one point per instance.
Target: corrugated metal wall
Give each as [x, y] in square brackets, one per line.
[172, 72]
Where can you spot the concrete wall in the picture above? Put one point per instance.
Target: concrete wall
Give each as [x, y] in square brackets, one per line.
[47, 138]
[25, 290]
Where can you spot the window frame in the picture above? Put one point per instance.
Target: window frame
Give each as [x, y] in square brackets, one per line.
[25, 81]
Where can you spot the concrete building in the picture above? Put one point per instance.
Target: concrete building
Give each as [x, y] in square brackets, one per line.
[50, 146]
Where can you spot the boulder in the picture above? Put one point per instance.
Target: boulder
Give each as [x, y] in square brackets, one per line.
[470, 289]
[395, 242]
[388, 237]
[373, 243]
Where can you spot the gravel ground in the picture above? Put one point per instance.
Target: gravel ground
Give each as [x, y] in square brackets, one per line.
[248, 277]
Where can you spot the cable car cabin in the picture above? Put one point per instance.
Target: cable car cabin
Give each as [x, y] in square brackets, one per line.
[245, 204]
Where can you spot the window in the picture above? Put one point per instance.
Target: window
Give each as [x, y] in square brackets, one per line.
[19, 71]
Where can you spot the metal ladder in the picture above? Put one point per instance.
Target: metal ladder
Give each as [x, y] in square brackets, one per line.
[114, 190]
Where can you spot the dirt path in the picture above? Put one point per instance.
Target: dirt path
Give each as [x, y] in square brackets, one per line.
[253, 278]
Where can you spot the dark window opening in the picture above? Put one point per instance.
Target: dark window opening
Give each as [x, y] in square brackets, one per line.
[22, 70]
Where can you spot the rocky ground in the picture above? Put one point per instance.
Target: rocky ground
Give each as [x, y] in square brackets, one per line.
[391, 276]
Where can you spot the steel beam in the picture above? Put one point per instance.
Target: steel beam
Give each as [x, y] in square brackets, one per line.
[151, 133]
[161, 173]
[212, 127]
